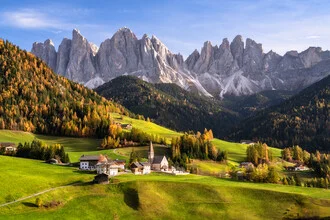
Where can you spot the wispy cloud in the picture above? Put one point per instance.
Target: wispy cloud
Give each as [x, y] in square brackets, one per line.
[183, 26]
[32, 19]
[313, 37]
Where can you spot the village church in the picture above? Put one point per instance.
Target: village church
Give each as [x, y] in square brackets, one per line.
[158, 163]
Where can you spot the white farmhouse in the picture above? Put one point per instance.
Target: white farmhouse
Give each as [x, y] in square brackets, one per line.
[109, 168]
[146, 167]
[88, 162]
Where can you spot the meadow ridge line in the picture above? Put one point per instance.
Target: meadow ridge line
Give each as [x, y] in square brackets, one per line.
[37, 194]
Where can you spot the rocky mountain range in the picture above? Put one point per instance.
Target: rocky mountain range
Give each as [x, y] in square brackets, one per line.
[232, 68]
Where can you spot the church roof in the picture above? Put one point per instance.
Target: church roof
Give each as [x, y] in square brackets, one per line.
[136, 165]
[139, 164]
[89, 157]
[158, 159]
[145, 164]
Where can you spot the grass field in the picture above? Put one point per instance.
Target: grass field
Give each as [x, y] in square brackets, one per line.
[148, 127]
[78, 146]
[21, 177]
[75, 147]
[207, 167]
[237, 152]
[159, 196]
[87, 146]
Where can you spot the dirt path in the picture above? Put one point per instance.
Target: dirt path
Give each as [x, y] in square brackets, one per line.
[36, 194]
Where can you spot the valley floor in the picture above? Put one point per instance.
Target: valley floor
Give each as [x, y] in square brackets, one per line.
[155, 196]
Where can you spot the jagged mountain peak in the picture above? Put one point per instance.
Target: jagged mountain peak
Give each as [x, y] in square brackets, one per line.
[145, 36]
[46, 51]
[250, 42]
[235, 67]
[238, 38]
[225, 43]
[77, 35]
[292, 53]
[156, 41]
[124, 29]
[207, 44]
[124, 32]
[317, 49]
[49, 42]
[76, 30]
[196, 51]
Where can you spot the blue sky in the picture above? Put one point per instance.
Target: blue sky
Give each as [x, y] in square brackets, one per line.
[183, 25]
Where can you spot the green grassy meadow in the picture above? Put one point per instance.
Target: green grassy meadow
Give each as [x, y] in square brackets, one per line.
[148, 127]
[21, 177]
[237, 151]
[154, 196]
[161, 196]
[211, 168]
[76, 147]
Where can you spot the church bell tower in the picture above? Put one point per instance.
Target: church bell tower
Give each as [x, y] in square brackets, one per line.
[151, 153]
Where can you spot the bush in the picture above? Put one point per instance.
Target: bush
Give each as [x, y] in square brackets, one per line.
[10, 198]
[39, 202]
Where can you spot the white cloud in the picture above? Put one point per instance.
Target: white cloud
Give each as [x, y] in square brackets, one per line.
[313, 37]
[32, 19]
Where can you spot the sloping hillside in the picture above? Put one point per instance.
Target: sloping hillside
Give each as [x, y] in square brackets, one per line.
[169, 105]
[33, 98]
[247, 106]
[158, 196]
[304, 120]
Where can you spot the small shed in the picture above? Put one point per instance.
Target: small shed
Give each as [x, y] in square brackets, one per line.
[136, 168]
[7, 147]
[127, 126]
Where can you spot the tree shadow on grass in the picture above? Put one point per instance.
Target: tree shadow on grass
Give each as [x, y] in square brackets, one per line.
[80, 183]
[30, 204]
[131, 198]
[85, 171]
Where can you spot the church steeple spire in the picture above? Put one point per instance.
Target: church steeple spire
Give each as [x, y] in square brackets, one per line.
[151, 153]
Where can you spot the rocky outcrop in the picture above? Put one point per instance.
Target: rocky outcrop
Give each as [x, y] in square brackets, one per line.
[271, 61]
[237, 50]
[192, 59]
[45, 51]
[290, 61]
[247, 70]
[223, 61]
[252, 58]
[63, 56]
[206, 57]
[311, 56]
[81, 65]
[235, 68]
[75, 58]
[147, 58]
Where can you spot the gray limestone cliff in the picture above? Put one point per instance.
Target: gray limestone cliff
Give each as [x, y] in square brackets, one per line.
[232, 68]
